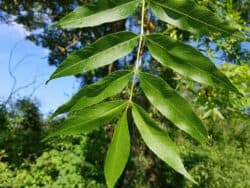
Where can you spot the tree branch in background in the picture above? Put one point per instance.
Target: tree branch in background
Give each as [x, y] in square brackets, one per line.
[14, 89]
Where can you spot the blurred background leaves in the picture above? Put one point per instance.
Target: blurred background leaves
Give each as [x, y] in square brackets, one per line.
[78, 161]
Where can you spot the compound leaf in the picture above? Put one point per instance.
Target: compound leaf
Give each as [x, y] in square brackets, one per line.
[118, 152]
[172, 106]
[103, 52]
[158, 141]
[97, 13]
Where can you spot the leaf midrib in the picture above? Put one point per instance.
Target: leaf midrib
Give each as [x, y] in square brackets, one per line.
[100, 12]
[196, 67]
[107, 84]
[93, 56]
[176, 109]
[192, 18]
[116, 146]
[86, 122]
[104, 83]
[167, 140]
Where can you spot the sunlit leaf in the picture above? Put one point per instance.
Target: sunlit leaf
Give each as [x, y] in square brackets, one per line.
[97, 92]
[103, 52]
[172, 106]
[187, 61]
[158, 141]
[188, 15]
[118, 152]
[90, 118]
[97, 13]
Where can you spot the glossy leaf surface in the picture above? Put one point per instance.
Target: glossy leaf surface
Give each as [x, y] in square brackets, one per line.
[90, 118]
[187, 61]
[97, 92]
[189, 16]
[118, 152]
[102, 11]
[103, 52]
[158, 141]
[172, 106]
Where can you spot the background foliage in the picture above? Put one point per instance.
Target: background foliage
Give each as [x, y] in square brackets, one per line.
[78, 161]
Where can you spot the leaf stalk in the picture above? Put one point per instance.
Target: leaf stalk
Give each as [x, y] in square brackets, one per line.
[139, 53]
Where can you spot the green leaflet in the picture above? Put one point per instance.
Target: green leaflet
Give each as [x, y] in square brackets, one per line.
[90, 118]
[93, 14]
[189, 16]
[97, 92]
[118, 152]
[103, 52]
[172, 106]
[187, 61]
[158, 141]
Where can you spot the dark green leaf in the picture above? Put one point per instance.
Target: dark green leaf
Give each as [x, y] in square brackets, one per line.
[158, 141]
[97, 92]
[187, 15]
[172, 106]
[103, 52]
[93, 14]
[90, 118]
[118, 152]
[187, 61]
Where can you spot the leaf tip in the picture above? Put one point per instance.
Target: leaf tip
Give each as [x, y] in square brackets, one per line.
[240, 94]
[55, 25]
[190, 178]
[45, 139]
[50, 136]
[236, 91]
[109, 184]
[239, 35]
[46, 83]
[53, 115]
[50, 78]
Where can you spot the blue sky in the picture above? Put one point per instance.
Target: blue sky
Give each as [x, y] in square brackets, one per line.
[34, 68]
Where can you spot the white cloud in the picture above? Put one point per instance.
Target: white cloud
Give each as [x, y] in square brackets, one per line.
[17, 29]
[20, 29]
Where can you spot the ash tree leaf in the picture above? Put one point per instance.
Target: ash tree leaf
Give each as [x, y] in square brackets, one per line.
[103, 52]
[158, 141]
[189, 16]
[172, 106]
[118, 152]
[187, 61]
[97, 13]
[90, 118]
[97, 92]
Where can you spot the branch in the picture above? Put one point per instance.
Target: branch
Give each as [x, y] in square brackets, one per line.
[11, 71]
